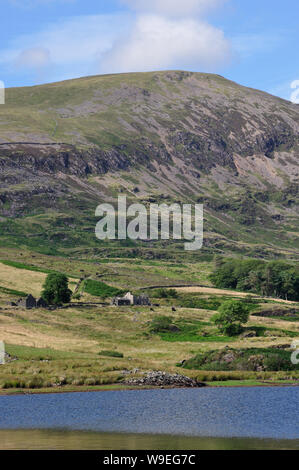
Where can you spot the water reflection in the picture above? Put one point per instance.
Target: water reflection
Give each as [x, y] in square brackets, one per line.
[70, 440]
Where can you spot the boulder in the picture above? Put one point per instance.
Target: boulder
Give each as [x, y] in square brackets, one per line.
[229, 357]
[257, 362]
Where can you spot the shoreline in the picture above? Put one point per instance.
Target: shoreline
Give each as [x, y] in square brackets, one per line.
[123, 388]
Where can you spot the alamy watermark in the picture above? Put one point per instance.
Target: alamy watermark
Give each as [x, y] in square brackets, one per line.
[138, 222]
[295, 94]
[2, 352]
[2, 92]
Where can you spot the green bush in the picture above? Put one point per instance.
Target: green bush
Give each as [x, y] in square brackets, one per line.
[161, 324]
[165, 294]
[254, 359]
[111, 354]
[231, 315]
[277, 362]
[233, 329]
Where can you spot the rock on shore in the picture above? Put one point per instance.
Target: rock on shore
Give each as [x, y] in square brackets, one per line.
[163, 379]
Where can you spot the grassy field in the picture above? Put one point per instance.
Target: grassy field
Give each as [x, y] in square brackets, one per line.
[63, 349]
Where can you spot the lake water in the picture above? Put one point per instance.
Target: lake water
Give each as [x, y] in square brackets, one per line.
[201, 418]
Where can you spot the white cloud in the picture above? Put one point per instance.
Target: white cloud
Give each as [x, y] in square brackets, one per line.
[163, 34]
[158, 42]
[288, 89]
[174, 7]
[80, 39]
[169, 34]
[35, 57]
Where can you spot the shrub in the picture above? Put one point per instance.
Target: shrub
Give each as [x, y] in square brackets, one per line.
[111, 354]
[232, 330]
[276, 362]
[36, 382]
[231, 316]
[254, 359]
[165, 293]
[161, 324]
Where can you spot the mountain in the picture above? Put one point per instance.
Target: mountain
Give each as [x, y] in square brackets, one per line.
[161, 136]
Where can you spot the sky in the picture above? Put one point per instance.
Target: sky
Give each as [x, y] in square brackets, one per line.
[253, 42]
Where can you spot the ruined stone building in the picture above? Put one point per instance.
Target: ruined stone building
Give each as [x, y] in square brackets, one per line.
[130, 299]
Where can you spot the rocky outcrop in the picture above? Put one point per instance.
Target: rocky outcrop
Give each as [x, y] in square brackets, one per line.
[163, 379]
[278, 312]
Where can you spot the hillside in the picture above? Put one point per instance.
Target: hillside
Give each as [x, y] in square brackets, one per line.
[88, 343]
[162, 136]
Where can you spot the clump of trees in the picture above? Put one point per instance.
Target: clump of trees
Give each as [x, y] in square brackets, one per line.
[231, 317]
[163, 293]
[56, 291]
[271, 279]
[161, 324]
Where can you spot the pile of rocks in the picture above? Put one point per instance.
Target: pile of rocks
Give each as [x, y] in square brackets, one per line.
[163, 379]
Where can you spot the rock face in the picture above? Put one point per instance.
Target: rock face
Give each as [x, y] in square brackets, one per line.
[278, 312]
[163, 379]
[68, 146]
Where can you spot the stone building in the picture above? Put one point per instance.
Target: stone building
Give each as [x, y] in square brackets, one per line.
[41, 303]
[120, 302]
[130, 299]
[28, 302]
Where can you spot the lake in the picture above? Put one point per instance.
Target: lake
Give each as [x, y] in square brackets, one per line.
[204, 418]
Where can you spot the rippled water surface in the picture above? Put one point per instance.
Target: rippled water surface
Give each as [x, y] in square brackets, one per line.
[228, 417]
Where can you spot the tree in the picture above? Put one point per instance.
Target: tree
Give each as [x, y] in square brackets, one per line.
[290, 285]
[161, 324]
[231, 316]
[56, 289]
[275, 278]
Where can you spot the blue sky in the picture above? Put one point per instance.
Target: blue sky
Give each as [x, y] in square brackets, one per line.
[253, 42]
